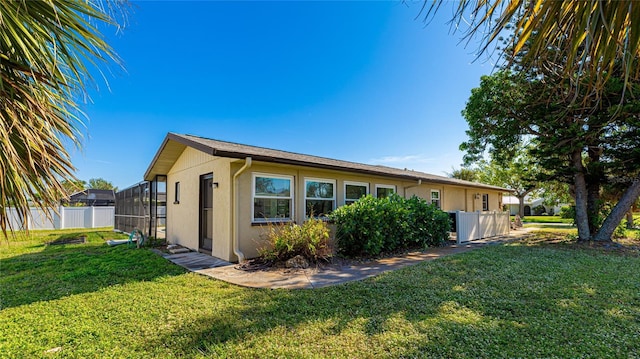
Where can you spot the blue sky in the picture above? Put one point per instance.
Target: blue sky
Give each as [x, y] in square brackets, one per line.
[360, 81]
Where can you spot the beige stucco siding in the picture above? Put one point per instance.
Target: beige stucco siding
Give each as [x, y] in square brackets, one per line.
[183, 218]
[454, 199]
[251, 234]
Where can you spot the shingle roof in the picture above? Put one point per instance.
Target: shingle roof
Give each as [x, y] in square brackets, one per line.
[174, 144]
[92, 193]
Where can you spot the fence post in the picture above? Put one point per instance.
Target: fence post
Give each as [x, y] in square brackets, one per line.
[458, 227]
[28, 223]
[62, 210]
[494, 232]
[93, 217]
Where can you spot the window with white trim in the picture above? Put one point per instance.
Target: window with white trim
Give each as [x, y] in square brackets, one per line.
[353, 191]
[384, 190]
[435, 197]
[485, 202]
[272, 198]
[319, 197]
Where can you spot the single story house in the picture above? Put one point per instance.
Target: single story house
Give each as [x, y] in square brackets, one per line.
[92, 197]
[221, 194]
[530, 204]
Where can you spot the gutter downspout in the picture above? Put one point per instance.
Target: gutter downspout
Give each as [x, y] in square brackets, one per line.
[235, 212]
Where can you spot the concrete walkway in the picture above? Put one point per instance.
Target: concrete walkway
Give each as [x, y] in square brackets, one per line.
[322, 277]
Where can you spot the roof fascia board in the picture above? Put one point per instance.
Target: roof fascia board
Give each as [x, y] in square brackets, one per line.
[256, 157]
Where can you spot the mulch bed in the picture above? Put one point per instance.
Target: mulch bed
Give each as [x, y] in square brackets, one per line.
[335, 262]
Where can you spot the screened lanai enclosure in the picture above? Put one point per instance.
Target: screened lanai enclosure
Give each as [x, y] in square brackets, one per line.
[143, 206]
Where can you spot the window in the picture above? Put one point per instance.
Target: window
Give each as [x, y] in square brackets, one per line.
[272, 198]
[383, 190]
[435, 197]
[485, 202]
[176, 194]
[353, 191]
[319, 197]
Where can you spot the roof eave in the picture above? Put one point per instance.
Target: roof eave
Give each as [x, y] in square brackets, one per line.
[150, 173]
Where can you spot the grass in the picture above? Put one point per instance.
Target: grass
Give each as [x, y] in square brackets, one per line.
[547, 219]
[527, 299]
[554, 229]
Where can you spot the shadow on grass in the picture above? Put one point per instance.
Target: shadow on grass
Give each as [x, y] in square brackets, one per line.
[517, 302]
[61, 270]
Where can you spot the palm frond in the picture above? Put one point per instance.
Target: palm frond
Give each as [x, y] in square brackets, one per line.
[593, 35]
[47, 49]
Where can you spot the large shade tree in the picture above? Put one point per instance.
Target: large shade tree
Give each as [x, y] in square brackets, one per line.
[578, 61]
[584, 146]
[47, 52]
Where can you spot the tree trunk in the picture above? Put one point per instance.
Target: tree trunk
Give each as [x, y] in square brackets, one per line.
[582, 216]
[630, 218]
[520, 198]
[593, 177]
[593, 205]
[627, 200]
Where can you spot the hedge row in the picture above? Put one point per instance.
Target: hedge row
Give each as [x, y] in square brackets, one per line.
[371, 225]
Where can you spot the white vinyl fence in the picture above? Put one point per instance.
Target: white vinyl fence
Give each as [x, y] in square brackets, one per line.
[67, 217]
[477, 225]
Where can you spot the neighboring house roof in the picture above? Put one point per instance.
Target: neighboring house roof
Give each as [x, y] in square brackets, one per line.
[94, 197]
[510, 200]
[174, 144]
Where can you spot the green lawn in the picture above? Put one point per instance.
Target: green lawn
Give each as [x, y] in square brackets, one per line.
[518, 300]
[547, 219]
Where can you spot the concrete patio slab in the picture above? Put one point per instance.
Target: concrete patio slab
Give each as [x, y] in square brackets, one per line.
[194, 261]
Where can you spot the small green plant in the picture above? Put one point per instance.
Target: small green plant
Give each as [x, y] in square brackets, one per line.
[153, 242]
[285, 241]
[620, 231]
[572, 236]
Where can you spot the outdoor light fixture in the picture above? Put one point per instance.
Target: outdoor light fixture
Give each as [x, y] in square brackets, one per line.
[214, 184]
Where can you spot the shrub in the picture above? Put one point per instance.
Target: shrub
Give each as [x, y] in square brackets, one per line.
[568, 212]
[285, 241]
[374, 225]
[429, 225]
[539, 210]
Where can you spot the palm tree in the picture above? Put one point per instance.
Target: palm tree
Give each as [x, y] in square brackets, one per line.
[46, 51]
[594, 35]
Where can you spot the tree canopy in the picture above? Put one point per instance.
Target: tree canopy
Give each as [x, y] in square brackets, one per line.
[464, 173]
[585, 146]
[101, 183]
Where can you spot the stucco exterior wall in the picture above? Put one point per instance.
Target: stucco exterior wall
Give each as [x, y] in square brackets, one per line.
[251, 234]
[183, 217]
[454, 199]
